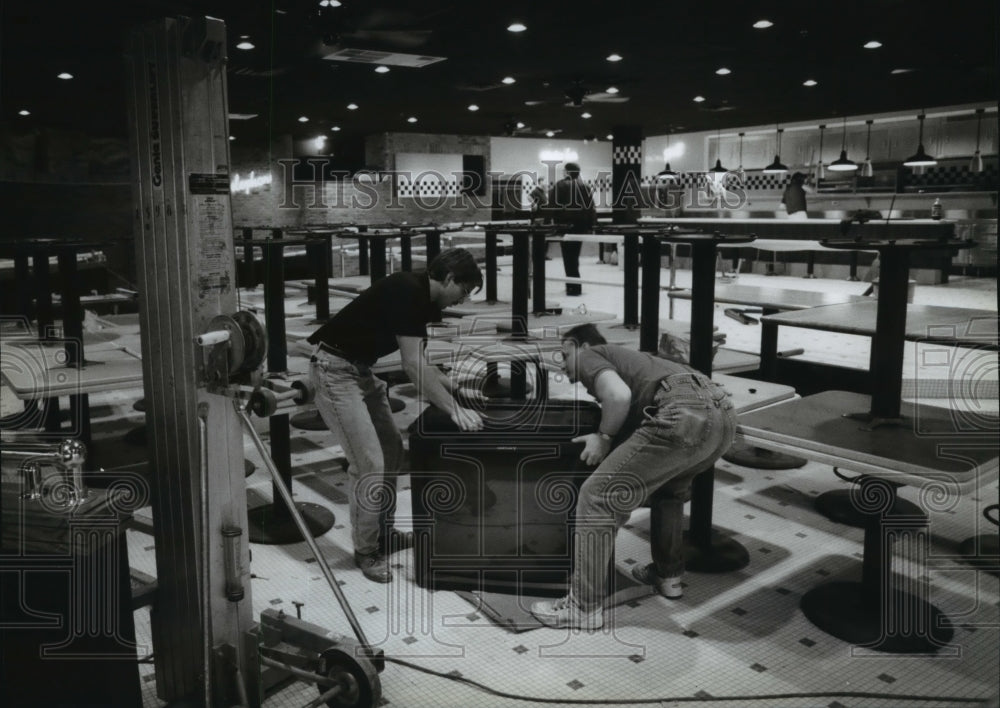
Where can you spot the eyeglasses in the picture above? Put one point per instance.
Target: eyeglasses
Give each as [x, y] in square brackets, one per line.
[466, 290]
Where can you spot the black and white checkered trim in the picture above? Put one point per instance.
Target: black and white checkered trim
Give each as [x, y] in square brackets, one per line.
[626, 154]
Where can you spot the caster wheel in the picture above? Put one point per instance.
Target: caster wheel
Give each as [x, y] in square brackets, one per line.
[356, 682]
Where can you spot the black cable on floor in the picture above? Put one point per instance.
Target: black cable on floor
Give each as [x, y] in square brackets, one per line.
[937, 700]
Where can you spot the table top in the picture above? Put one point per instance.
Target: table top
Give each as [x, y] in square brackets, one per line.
[550, 325]
[773, 298]
[931, 446]
[750, 395]
[933, 323]
[821, 228]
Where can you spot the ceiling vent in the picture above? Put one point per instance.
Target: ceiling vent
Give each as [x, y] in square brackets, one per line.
[369, 56]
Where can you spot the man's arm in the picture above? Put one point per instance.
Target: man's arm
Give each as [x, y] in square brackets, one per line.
[616, 398]
[433, 385]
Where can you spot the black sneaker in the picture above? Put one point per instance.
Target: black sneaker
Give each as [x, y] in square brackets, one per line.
[374, 566]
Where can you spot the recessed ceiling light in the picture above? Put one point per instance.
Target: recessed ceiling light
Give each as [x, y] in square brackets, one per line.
[722, 71]
[352, 106]
[901, 71]
[335, 129]
[473, 107]
[585, 115]
[66, 76]
[329, 3]
[763, 24]
[303, 119]
[232, 138]
[610, 136]
[549, 133]
[698, 99]
[381, 69]
[508, 80]
[411, 119]
[245, 44]
[614, 57]
[520, 124]
[611, 89]
[516, 27]
[23, 112]
[874, 44]
[809, 82]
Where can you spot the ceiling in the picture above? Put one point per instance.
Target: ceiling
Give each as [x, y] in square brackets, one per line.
[670, 53]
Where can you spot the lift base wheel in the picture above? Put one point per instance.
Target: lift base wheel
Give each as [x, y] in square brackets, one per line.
[355, 675]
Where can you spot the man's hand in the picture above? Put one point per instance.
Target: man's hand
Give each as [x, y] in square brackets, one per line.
[466, 418]
[595, 448]
[471, 395]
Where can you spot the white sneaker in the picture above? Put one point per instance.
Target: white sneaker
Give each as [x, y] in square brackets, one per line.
[564, 612]
[670, 588]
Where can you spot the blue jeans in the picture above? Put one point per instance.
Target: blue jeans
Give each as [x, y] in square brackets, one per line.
[690, 425]
[345, 392]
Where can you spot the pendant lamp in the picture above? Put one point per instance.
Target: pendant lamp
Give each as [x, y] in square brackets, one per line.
[719, 169]
[666, 174]
[842, 164]
[740, 172]
[776, 167]
[920, 158]
[867, 170]
[820, 169]
[976, 164]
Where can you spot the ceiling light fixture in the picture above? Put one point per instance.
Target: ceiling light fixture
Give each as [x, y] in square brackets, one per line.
[335, 129]
[666, 174]
[740, 172]
[232, 137]
[65, 76]
[508, 80]
[842, 164]
[873, 44]
[381, 69]
[698, 99]
[610, 136]
[245, 45]
[723, 71]
[611, 89]
[820, 169]
[868, 170]
[303, 119]
[411, 119]
[718, 169]
[549, 133]
[24, 112]
[976, 164]
[614, 57]
[901, 71]
[516, 27]
[762, 24]
[920, 158]
[473, 107]
[776, 167]
[352, 106]
[809, 82]
[585, 115]
[520, 125]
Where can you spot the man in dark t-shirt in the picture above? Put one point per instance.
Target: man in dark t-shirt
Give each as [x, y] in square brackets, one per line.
[392, 314]
[661, 424]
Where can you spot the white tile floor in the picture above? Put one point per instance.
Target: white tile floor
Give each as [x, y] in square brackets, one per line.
[738, 634]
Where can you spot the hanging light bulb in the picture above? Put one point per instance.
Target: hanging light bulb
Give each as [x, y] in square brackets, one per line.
[920, 158]
[740, 172]
[868, 170]
[666, 174]
[976, 164]
[719, 169]
[842, 164]
[777, 167]
[820, 169]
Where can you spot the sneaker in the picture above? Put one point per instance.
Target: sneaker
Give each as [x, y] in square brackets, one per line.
[374, 566]
[670, 588]
[564, 612]
[395, 540]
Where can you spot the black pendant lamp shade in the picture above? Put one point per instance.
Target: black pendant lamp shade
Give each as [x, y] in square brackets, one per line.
[777, 167]
[920, 158]
[719, 169]
[867, 170]
[740, 172]
[842, 164]
[976, 163]
[667, 174]
[820, 167]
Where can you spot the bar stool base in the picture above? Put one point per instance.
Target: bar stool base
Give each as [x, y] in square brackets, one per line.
[265, 526]
[721, 555]
[837, 506]
[838, 609]
[749, 456]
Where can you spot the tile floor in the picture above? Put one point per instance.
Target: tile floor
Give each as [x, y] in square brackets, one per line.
[734, 639]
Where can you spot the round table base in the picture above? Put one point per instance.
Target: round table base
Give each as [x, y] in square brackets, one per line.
[837, 609]
[749, 456]
[982, 551]
[273, 529]
[722, 554]
[837, 506]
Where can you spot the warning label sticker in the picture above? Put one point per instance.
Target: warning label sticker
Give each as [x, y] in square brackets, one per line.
[214, 259]
[208, 183]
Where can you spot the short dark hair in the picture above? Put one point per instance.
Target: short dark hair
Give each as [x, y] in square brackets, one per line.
[572, 169]
[584, 334]
[460, 264]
